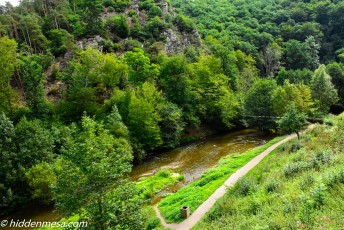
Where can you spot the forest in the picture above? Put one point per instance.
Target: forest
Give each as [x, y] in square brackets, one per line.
[90, 88]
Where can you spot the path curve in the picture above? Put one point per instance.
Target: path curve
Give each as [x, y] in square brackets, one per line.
[221, 191]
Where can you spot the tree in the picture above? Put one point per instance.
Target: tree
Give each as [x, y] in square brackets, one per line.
[8, 63]
[41, 177]
[258, 108]
[144, 122]
[121, 27]
[32, 74]
[323, 90]
[92, 168]
[171, 124]
[140, 67]
[271, 56]
[336, 71]
[300, 55]
[21, 147]
[93, 76]
[8, 170]
[288, 94]
[292, 121]
[115, 125]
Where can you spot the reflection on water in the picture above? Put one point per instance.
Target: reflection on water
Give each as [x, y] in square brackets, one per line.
[191, 160]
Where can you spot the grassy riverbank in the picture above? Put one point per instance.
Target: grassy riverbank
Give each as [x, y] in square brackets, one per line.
[197, 192]
[154, 184]
[298, 186]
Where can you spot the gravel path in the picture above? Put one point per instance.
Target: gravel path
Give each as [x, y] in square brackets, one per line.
[209, 203]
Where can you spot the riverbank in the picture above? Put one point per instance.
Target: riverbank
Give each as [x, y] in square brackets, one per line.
[197, 192]
[191, 161]
[298, 186]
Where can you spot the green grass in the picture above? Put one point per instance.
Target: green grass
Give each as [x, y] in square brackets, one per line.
[298, 186]
[156, 183]
[197, 192]
[151, 221]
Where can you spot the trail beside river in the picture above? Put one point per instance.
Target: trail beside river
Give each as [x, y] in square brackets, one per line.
[220, 192]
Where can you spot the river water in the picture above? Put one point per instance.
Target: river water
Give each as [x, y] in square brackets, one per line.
[191, 160]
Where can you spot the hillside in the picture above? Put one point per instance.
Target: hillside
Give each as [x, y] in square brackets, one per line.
[90, 88]
[299, 186]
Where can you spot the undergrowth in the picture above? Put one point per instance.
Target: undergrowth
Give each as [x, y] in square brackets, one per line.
[292, 188]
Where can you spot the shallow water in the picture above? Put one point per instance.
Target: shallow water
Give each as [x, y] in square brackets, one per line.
[191, 160]
[194, 159]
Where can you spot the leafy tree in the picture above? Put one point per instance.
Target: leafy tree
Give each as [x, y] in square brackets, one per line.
[8, 170]
[60, 41]
[180, 88]
[155, 11]
[21, 147]
[336, 71]
[144, 122]
[41, 177]
[93, 77]
[115, 125]
[323, 90]
[298, 76]
[92, 166]
[258, 108]
[90, 12]
[297, 55]
[184, 23]
[8, 60]
[33, 77]
[34, 142]
[271, 56]
[171, 124]
[140, 67]
[121, 27]
[300, 95]
[292, 121]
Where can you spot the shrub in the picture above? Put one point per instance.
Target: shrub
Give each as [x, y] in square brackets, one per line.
[164, 173]
[184, 23]
[254, 206]
[318, 195]
[245, 186]
[272, 185]
[295, 146]
[307, 181]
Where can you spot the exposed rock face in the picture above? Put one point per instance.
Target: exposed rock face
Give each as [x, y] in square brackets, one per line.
[177, 42]
[93, 42]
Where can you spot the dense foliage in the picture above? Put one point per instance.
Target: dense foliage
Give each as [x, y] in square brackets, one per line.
[89, 87]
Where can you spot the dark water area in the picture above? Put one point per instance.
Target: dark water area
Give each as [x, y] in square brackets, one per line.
[191, 160]
[33, 212]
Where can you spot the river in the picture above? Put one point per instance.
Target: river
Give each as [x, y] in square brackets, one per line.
[190, 160]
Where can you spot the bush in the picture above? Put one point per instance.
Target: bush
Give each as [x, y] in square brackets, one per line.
[184, 23]
[272, 185]
[164, 173]
[307, 181]
[318, 195]
[295, 146]
[245, 186]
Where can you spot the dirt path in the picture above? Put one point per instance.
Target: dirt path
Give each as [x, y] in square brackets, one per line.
[208, 204]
